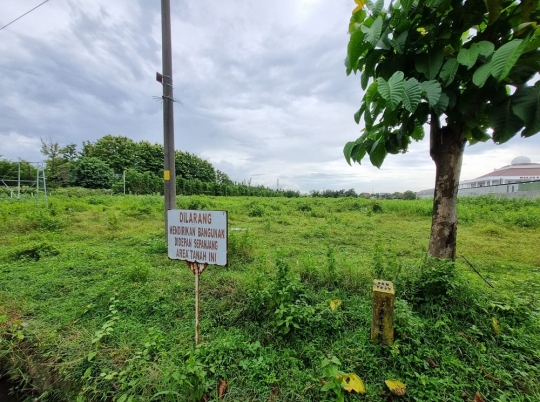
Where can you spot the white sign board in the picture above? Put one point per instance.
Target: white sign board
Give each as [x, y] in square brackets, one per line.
[197, 236]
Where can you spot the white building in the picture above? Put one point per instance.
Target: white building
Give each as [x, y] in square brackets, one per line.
[519, 179]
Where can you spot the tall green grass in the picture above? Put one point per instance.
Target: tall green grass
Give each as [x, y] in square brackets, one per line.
[91, 308]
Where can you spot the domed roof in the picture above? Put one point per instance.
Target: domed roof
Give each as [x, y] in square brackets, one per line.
[520, 160]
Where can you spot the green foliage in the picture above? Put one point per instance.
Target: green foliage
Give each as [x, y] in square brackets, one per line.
[421, 64]
[90, 172]
[332, 377]
[117, 152]
[266, 324]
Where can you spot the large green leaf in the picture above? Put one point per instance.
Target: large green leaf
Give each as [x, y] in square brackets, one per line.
[347, 150]
[494, 10]
[359, 113]
[526, 105]
[430, 63]
[468, 57]
[485, 48]
[505, 57]
[504, 122]
[432, 91]
[348, 66]
[399, 43]
[378, 152]
[358, 152]
[442, 104]
[481, 74]
[393, 90]
[368, 119]
[371, 92]
[413, 94]
[372, 58]
[373, 33]
[356, 47]
[364, 80]
[448, 72]
[377, 8]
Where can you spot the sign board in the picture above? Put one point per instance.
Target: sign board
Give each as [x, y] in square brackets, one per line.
[197, 236]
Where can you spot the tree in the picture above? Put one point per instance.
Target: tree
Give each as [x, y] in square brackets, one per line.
[116, 151]
[58, 159]
[90, 172]
[409, 195]
[464, 65]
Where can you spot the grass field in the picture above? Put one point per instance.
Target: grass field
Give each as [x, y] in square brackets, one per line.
[91, 308]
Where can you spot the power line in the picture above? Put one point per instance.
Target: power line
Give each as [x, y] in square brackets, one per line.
[28, 12]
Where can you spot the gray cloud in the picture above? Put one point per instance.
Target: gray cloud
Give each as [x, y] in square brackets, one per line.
[263, 87]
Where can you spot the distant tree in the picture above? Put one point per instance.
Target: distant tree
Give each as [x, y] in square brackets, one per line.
[119, 152]
[90, 172]
[149, 157]
[57, 162]
[222, 178]
[464, 65]
[189, 166]
[409, 195]
[350, 193]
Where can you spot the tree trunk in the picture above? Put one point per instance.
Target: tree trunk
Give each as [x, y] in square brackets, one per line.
[446, 149]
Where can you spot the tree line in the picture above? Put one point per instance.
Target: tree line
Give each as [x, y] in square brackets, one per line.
[121, 164]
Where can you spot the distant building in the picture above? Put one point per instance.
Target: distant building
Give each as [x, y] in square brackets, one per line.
[519, 179]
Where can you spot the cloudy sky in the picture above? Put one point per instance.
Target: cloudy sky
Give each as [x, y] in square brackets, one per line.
[264, 91]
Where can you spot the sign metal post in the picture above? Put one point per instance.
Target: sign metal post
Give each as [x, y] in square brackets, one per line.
[200, 239]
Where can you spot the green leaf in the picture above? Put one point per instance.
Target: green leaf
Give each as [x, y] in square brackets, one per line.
[371, 92]
[430, 63]
[399, 43]
[526, 105]
[393, 90]
[355, 48]
[358, 152]
[494, 8]
[347, 151]
[413, 94]
[378, 153]
[505, 57]
[364, 80]
[481, 74]
[371, 60]
[448, 72]
[359, 113]
[348, 67]
[373, 33]
[368, 119]
[432, 92]
[418, 133]
[442, 104]
[504, 122]
[485, 48]
[377, 8]
[468, 57]
[91, 356]
[406, 5]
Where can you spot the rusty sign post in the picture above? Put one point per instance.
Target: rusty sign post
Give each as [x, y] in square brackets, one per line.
[200, 239]
[382, 323]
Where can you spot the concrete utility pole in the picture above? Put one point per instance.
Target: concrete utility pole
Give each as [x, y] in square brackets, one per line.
[169, 173]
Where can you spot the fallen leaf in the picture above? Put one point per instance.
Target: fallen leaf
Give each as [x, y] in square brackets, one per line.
[222, 388]
[490, 376]
[496, 325]
[396, 387]
[351, 382]
[360, 5]
[431, 363]
[334, 304]
[478, 398]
